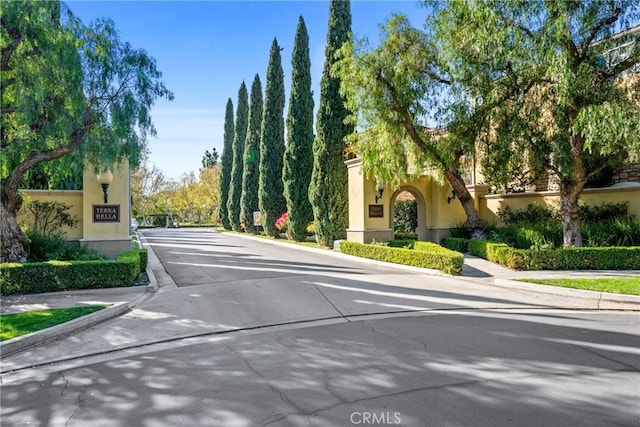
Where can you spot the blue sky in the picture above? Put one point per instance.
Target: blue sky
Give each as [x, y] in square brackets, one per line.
[205, 49]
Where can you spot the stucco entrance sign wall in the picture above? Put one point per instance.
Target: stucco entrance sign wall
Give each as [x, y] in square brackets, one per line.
[106, 225]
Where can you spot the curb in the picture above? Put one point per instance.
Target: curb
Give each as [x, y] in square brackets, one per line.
[23, 342]
[331, 252]
[605, 300]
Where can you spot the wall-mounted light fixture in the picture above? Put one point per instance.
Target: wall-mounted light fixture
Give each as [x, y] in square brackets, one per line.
[380, 189]
[452, 197]
[105, 178]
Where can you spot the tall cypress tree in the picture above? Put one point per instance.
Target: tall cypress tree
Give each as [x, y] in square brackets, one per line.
[227, 164]
[251, 172]
[235, 188]
[328, 190]
[270, 194]
[298, 158]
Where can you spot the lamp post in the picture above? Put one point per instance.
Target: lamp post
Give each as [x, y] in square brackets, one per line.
[105, 178]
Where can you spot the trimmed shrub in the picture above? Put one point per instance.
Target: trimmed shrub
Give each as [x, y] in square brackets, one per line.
[140, 254]
[605, 258]
[455, 243]
[428, 257]
[53, 276]
[405, 235]
[407, 244]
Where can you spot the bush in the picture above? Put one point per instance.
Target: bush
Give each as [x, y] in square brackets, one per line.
[621, 231]
[533, 213]
[405, 235]
[427, 255]
[527, 235]
[140, 255]
[47, 247]
[311, 228]
[455, 243]
[407, 244]
[49, 217]
[405, 216]
[460, 230]
[604, 212]
[609, 258]
[53, 276]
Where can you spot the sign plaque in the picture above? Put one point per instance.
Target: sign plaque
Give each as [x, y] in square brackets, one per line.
[376, 211]
[106, 213]
[257, 219]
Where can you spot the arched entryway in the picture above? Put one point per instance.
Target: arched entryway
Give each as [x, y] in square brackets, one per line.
[408, 192]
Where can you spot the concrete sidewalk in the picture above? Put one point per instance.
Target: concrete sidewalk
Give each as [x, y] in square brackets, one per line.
[122, 300]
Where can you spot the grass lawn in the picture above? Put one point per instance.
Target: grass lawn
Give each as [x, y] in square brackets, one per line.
[618, 285]
[16, 324]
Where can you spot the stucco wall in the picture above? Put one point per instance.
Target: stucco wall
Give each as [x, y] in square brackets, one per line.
[71, 198]
[630, 193]
[437, 214]
[110, 238]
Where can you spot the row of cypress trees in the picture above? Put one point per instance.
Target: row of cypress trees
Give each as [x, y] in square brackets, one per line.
[308, 178]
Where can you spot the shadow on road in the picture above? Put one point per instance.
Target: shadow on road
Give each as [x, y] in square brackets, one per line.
[441, 369]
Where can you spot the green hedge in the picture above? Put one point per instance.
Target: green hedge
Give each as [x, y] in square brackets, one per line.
[457, 244]
[425, 255]
[599, 258]
[143, 257]
[402, 243]
[53, 276]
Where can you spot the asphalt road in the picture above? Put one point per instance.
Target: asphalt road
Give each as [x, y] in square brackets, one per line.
[248, 333]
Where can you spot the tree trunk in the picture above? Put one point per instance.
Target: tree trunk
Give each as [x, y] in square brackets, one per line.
[474, 223]
[12, 238]
[570, 190]
[571, 234]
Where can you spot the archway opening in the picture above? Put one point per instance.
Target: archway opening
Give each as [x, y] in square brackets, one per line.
[405, 216]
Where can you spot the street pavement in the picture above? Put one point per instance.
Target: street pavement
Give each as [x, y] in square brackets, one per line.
[244, 332]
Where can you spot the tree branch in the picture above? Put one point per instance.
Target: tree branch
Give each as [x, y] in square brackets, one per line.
[617, 69]
[14, 180]
[7, 52]
[594, 31]
[407, 120]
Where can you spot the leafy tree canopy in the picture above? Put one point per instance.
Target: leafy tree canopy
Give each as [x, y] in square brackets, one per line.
[68, 89]
[549, 80]
[210, 159]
